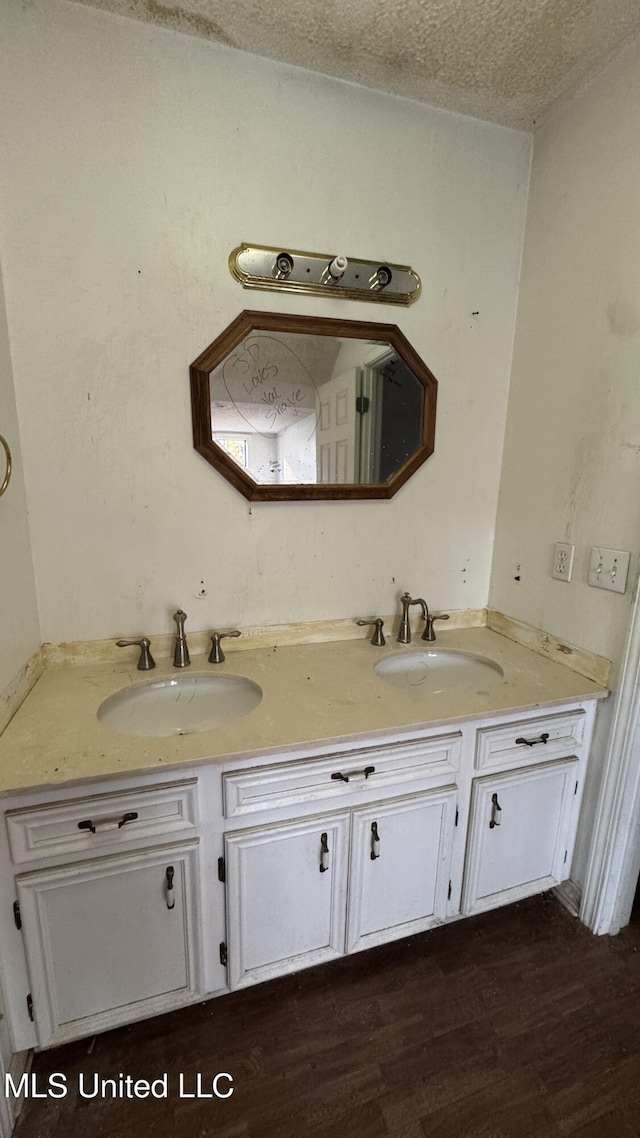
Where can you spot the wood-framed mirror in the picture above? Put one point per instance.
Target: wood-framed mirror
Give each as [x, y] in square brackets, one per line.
[289, 408]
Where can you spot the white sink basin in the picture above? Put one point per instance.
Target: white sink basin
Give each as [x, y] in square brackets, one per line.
[179, 705]
[432, 670]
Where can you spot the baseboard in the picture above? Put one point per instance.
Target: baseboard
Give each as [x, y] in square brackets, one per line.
[570, 895]
[11, 1107]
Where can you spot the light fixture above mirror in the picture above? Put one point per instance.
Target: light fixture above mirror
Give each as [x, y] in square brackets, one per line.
[324, 274]
[300, 407]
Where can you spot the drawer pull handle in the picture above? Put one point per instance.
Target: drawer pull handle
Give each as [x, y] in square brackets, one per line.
[375, 841]
[532, 742]
[496, 812]
[171, 901]
[94, 827]
[338, 776]
[324, 854]
[130, 816]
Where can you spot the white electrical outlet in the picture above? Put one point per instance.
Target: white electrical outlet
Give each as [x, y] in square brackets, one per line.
[562, 566]
[608, 569]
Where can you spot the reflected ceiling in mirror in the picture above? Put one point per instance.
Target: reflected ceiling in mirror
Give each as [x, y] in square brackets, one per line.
[299, 407]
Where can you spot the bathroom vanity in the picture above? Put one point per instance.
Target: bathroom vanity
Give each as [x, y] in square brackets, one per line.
[141, 874]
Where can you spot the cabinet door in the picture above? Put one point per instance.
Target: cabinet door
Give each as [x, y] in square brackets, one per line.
[399, 877]
[108, 942]
[286, 897]
[521, 834]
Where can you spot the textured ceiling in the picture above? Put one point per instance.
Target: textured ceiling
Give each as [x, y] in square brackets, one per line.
[503, 60]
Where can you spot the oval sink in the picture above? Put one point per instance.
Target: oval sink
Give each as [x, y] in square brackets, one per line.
[179, 705]
[438, 669]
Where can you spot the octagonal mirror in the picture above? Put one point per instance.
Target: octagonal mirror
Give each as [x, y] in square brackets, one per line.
[299, 407]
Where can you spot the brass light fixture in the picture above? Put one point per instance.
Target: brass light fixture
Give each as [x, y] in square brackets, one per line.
[323, 274]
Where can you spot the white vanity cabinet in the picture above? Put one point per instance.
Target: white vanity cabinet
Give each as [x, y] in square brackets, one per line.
[523, 818]
[354, 849]
[107, 908]
[521, 834]
[308, 891]
[399, 879]
[152, 891]
[111, 940]
[286, 897]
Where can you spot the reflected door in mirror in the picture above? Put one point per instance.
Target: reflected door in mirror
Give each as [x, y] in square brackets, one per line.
[300, 407]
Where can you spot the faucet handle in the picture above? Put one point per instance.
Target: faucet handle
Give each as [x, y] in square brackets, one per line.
[146, 661]
[428, 633]
[216, 655]
[378, 636]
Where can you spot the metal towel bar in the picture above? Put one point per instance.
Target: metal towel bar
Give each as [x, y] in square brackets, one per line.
[7, 476]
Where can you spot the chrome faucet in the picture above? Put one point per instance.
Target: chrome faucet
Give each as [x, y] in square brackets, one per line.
[181, 658]
[404, 634]
[406, 600]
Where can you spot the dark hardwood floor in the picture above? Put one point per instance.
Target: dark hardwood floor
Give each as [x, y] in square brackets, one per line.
[515, 1024]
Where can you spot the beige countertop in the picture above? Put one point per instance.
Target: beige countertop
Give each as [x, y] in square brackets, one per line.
[312, 693]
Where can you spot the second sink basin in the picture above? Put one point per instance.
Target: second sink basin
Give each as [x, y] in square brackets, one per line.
[438, 669]
[179, 705]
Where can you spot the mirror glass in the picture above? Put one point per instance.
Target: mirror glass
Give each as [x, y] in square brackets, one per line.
[314, 409]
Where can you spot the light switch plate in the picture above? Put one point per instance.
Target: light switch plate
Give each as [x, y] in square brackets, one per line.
[562, 566]
[608, 569]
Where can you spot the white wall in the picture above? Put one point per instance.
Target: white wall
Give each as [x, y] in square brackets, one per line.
[18, 610]
[571, 468]
[134, 161]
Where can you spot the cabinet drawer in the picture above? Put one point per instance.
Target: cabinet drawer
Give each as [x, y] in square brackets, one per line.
[524, 742]
[342, 775]
[82, 825]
